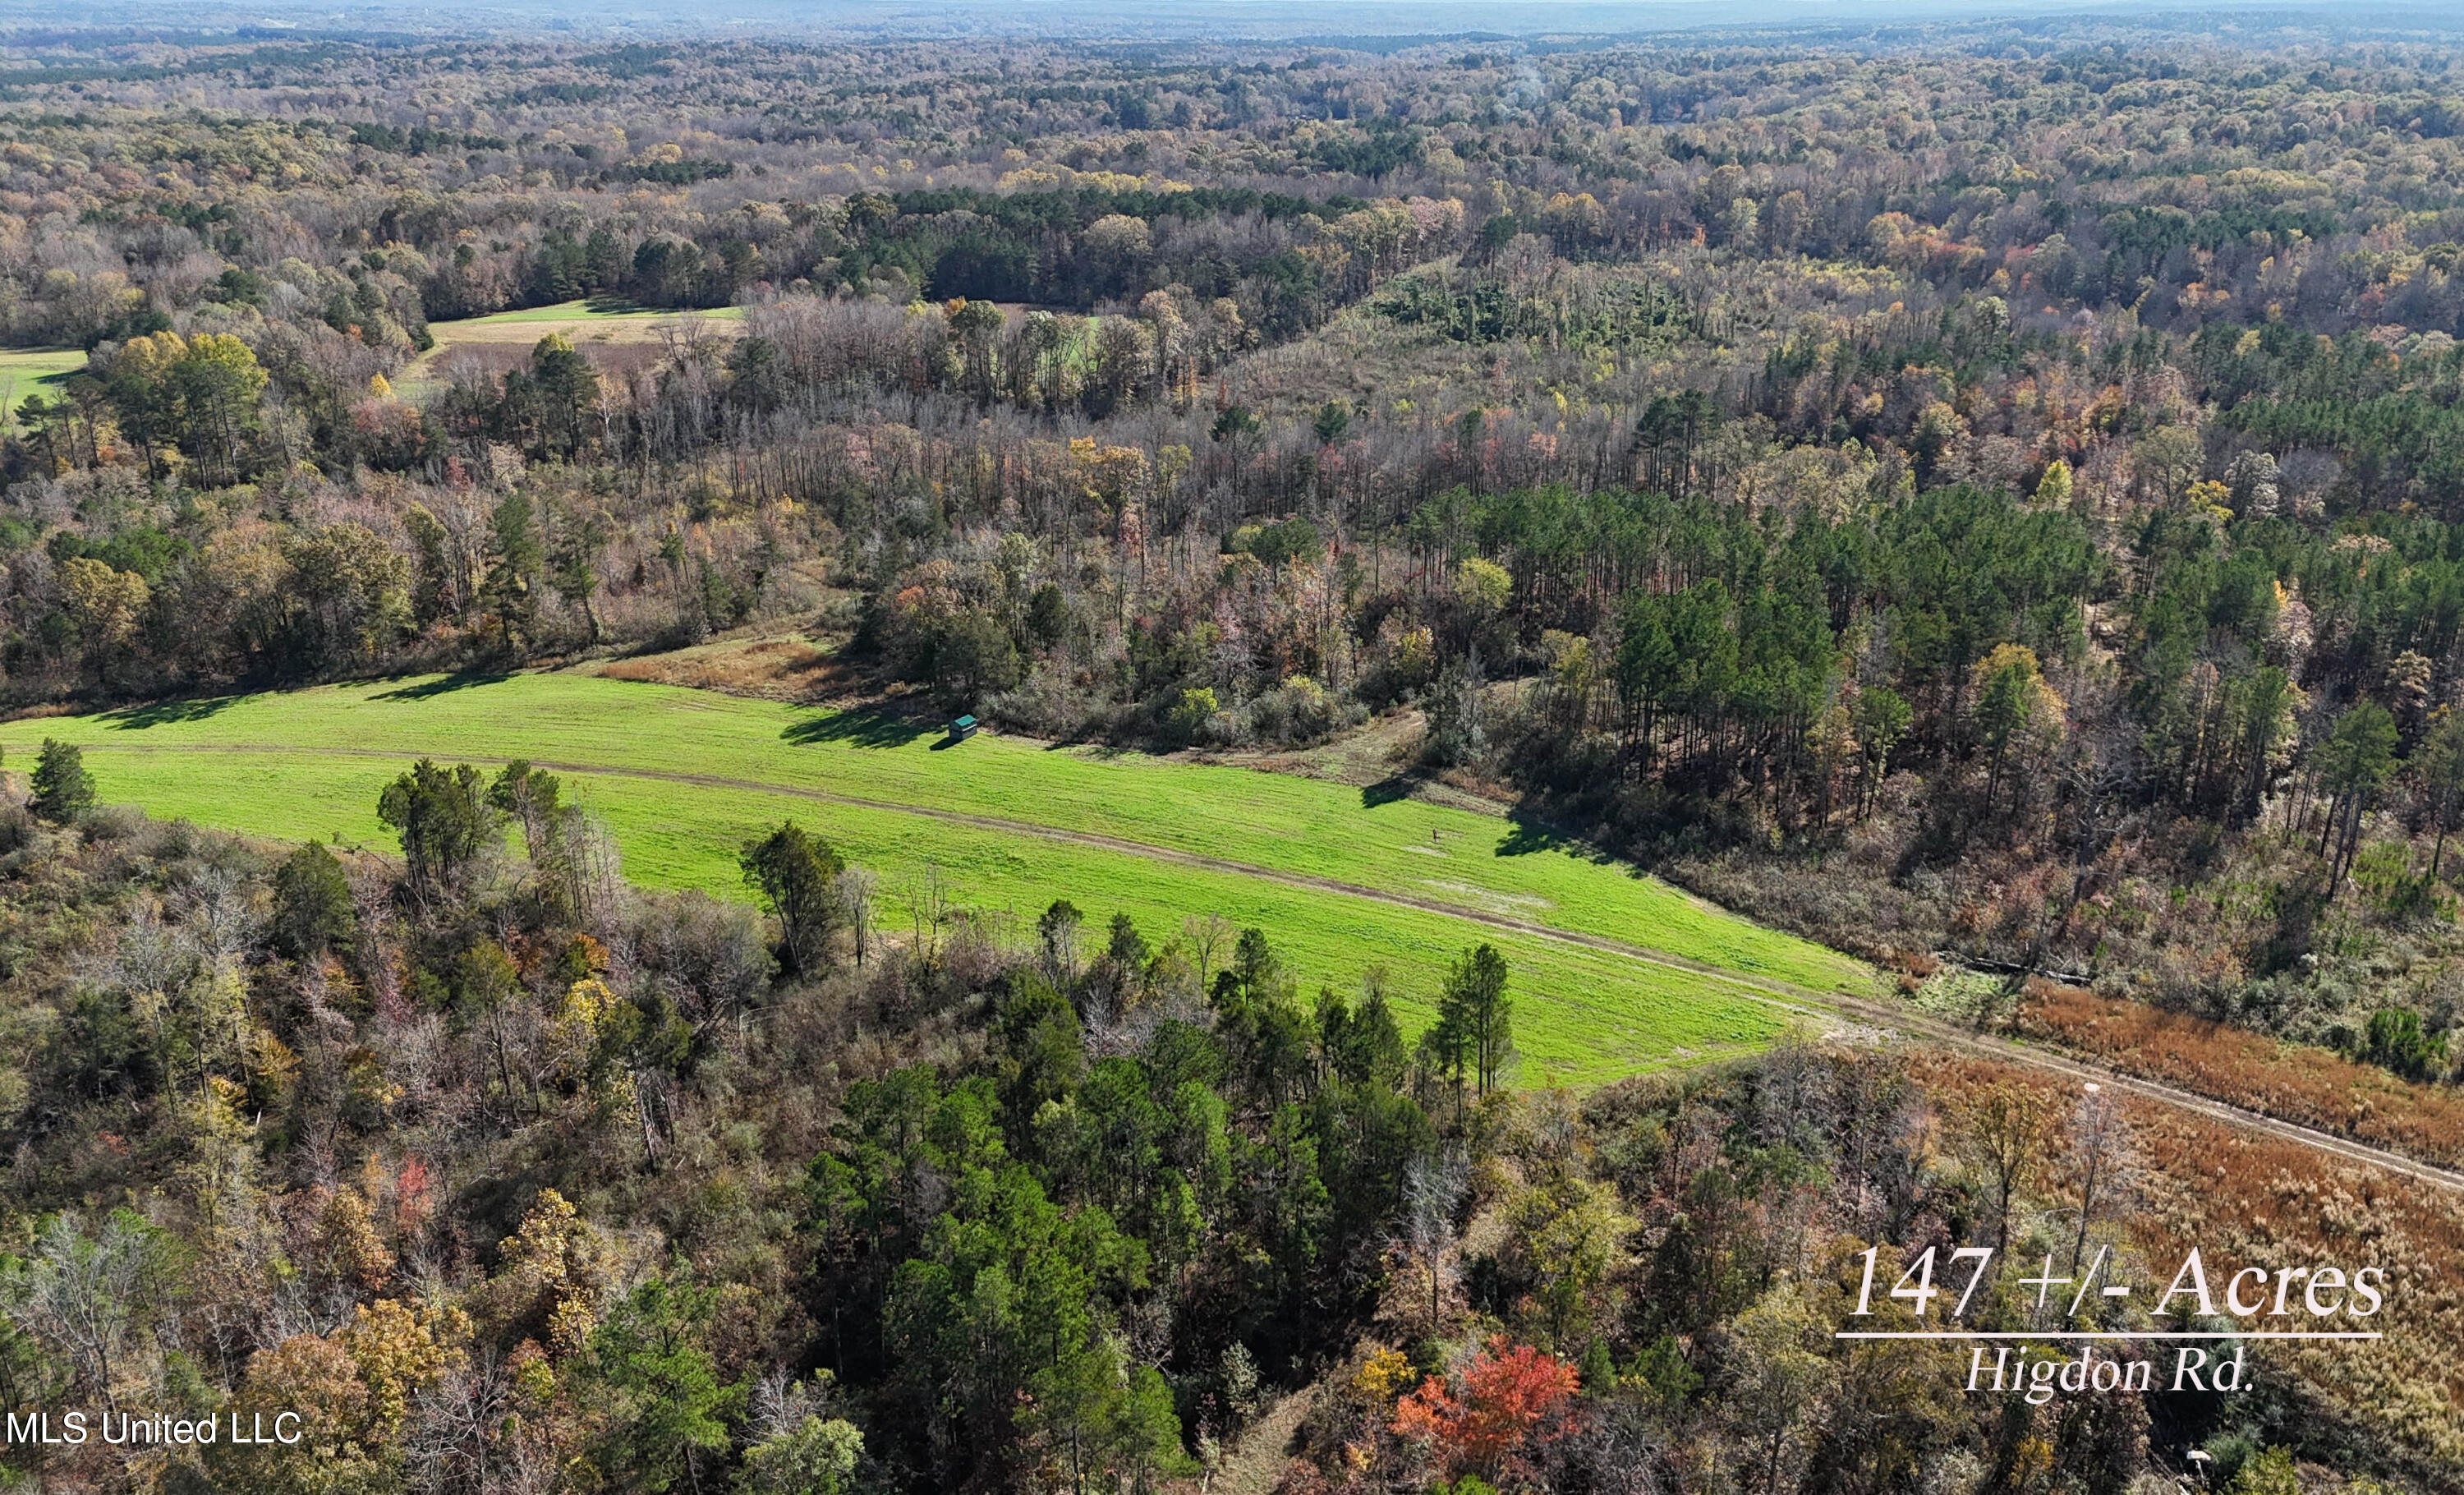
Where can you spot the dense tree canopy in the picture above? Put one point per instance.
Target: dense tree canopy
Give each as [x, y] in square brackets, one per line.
[1989, 495]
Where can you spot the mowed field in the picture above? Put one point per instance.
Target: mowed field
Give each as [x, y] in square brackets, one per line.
[683, 778]
[503, 340]
[25, 371]
[582, 321]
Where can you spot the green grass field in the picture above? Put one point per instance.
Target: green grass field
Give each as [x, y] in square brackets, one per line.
[25, 371]
[1585, 1014]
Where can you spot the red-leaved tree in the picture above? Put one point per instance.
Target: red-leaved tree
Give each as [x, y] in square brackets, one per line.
[1511, 1395]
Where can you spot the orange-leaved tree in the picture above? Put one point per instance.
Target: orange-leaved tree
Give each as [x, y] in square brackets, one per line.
[1511, 1395]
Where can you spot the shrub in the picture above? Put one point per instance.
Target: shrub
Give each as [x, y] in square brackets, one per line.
[1189, 715]
[111, 822]
[1297, 711]
[1483, 585]
[2395, 1040]
[1404, 659]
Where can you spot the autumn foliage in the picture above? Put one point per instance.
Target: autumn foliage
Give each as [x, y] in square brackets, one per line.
[1511, 1395]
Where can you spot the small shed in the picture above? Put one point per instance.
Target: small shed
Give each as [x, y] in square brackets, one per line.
[962, 728]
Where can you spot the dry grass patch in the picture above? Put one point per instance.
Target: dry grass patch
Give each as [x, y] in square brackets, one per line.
[2313, 1087]
[2244, 1199]
[768, 668]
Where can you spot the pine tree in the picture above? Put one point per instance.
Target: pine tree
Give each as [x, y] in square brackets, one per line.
[511, 587]
[63, 789]
[2360, 753]
[1475, 1007]
[312, 901]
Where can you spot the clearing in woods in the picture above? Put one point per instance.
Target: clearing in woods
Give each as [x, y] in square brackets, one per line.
[1345, 879]
[25, 371]
[501, 339]
[596, 323]
[583, 321]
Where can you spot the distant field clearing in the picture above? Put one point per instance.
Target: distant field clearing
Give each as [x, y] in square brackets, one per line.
[25, 371]
[503, 339]
[582, 321]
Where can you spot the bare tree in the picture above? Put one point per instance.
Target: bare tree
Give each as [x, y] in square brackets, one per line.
[88, 1294]
[854, 886]
[222, 914]
[1873, 1104]
[2100, 1154]
[1622, 1449]
[449, 1442]
[463, 1439]
[595, 874]
[1433, 1189]
[2005, 1135]
[1206, 936]
[928, 904]
[148, 959]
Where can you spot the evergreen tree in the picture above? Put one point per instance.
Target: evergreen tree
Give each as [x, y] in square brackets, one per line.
[575, 564]
[63, 789]
[516, 556]
[669, 1410]
[445, 822]
[1474, 1008]
[2356, 759]
[566, 386]
[312, 902]
[2441, 761]
[436, 593]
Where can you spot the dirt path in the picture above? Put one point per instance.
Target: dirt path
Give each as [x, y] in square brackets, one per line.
[1871, 1011]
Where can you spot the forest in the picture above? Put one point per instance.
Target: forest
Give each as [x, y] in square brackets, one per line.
[2052, 439]
[1988, 496]
[505, 1177]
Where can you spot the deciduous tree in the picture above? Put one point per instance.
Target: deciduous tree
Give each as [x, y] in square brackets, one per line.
[796, 873]
[1510, 1398]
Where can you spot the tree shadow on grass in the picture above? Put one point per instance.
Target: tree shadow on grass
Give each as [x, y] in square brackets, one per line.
[1526, 834]
[443, 685]
[1387, 790]
[165, 713]
[865, 729]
